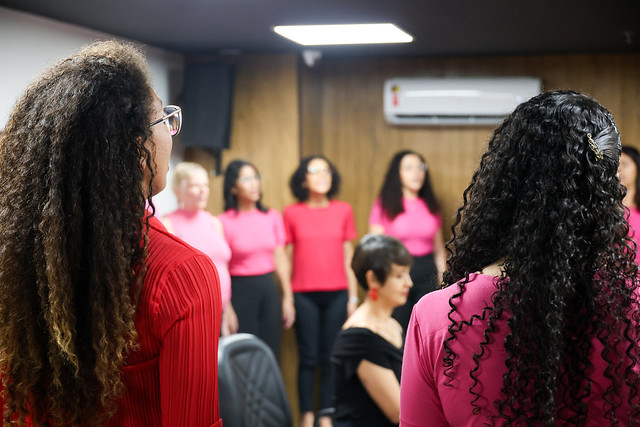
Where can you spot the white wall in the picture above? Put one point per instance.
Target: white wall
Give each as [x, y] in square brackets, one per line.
[30, 43]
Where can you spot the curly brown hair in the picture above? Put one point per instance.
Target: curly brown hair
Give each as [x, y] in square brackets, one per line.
[73, 234]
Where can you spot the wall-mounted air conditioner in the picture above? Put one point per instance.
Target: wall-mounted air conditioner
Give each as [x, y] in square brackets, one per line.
[464, 101]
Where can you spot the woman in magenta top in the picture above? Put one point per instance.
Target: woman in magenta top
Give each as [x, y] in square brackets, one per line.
[256, 237]
[539, 322]
[319, 232]
[407, 209]
[193, 224]
[630, 178]
[106, 318]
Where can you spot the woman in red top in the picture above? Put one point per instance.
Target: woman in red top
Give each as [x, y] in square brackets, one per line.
[105, 318]
[319, 232]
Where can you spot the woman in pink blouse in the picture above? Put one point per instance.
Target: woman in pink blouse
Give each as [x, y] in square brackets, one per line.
[319, 233]
[193, 224]
[630, 178]
[408, 210]
[539, 322]
[256, 237]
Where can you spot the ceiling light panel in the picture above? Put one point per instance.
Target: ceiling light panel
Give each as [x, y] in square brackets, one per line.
[316, 35]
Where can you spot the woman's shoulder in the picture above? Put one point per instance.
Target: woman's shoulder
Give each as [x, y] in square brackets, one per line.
[363, 343]
[432, 311]
[167, 249]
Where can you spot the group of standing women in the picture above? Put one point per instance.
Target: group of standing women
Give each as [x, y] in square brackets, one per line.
[308, 250]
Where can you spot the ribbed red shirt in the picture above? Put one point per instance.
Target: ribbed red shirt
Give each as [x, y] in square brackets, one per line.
[173, 379]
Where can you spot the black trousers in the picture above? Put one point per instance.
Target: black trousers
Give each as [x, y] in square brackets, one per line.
[424, 276]
[256, 301]
[319, 317]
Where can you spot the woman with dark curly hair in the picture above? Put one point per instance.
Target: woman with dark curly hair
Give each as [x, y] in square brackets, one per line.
[105, 318]
[408, 210]
[630, 178]
[539, 322]
[319, 232]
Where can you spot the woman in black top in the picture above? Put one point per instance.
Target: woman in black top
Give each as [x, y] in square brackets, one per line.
[367, 354]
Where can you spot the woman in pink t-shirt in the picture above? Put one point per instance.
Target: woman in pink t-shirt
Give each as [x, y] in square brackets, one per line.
[256, 237]
[319, 232]
[539, 322]
[629, 177]
[193, 224]
[408, 210]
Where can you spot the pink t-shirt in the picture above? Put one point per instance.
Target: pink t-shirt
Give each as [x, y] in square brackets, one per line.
[252, 236]
[426, 401]
[634, 229]
[198, 229]
[318, 236]
[416, 227]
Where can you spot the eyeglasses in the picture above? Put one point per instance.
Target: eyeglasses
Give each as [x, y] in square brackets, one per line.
[410, 168]
[248, 179]
[313, 170]
[172, 118]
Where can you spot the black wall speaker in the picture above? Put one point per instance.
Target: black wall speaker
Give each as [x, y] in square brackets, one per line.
[207, 103]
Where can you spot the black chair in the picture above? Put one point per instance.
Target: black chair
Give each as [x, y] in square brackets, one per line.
[250, 385]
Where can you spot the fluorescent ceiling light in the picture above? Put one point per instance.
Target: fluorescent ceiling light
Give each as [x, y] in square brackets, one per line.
[310, 35]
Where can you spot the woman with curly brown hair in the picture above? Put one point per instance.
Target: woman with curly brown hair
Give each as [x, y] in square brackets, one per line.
[105, 318]
[539, 322]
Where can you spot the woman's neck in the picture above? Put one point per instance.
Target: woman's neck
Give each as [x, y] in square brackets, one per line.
[629, 198]
[409, 193]
[316, 200]
[377, 310]
[246, 205]
[494, 269]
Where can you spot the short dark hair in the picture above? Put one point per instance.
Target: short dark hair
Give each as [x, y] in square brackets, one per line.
[231, 175]
[298, 178]
[635, 156]
[376, 252]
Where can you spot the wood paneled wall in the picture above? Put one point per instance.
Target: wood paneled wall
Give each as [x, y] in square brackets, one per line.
[283, 110]
[343, 117]
[264, 131]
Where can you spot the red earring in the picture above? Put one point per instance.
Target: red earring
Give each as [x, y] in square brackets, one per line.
[373, 294]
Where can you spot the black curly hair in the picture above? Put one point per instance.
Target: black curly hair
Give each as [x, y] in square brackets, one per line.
[391, 190]
[231, 175]
[545, 205]
[74, 237]
[296, 183]
[634, 154]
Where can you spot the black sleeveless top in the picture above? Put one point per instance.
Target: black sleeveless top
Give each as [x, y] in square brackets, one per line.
[354, 406]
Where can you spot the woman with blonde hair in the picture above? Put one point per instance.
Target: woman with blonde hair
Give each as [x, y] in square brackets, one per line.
[105, 317]
[193, 224]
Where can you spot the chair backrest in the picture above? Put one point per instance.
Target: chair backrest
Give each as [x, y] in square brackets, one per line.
[251, 389]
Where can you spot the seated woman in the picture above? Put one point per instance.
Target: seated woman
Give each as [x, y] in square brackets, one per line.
[367, 354]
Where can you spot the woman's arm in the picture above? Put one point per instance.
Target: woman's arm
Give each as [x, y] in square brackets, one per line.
[352, 282]
[166, 221]
[189, 315]
[283, 271]
[376, 229]
[383, 387]
[218, 225]
[439, 254]
[230, 323]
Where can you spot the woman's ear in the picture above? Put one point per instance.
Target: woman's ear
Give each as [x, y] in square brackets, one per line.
[143, 157]
[372, 280]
